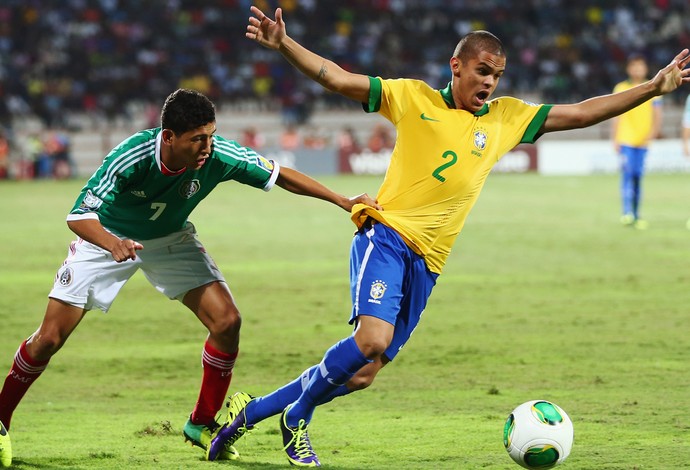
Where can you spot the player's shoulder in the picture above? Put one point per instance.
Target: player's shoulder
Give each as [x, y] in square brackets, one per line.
[134, 154]
[224, 146]
[231, 152]
[409, 84]
[510, 102]
[224, 140]
[146, 135]
[139, 140]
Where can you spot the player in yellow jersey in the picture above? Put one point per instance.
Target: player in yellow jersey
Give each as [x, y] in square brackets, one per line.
[447, 142]
[631, 133]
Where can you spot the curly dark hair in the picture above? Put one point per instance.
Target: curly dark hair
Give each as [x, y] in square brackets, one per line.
[185, 110]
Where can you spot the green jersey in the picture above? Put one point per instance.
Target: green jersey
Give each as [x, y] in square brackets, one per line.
[135, 196]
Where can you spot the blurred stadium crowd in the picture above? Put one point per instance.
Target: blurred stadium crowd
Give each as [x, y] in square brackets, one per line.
[98, 57]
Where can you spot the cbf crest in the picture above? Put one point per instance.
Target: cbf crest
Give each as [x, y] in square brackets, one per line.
[378, 288]
[480, 139]
[189, 188]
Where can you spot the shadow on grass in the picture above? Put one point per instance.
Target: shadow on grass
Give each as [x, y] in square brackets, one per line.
[49, 463]
[271, 466]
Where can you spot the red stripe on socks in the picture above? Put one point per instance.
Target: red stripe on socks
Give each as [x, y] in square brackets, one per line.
[215, 382]
[24, 372]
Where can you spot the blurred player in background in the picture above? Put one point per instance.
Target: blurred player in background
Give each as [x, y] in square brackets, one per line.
[685, 135]
[632, 132]
[447, 142]
[132, 214]
[685, 131]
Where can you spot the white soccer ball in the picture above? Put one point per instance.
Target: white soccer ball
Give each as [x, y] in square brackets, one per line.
[538, 434]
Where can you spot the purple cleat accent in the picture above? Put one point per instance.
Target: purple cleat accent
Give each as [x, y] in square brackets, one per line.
[227, 435]
[231, 430]
[297, 445]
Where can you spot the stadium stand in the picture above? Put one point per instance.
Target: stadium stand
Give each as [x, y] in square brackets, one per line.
[90, 64]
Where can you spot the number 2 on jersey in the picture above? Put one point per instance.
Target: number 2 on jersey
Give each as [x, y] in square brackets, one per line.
[158, 207]
[453, 160]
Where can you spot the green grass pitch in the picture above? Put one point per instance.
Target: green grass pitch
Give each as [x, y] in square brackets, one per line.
[545, 295]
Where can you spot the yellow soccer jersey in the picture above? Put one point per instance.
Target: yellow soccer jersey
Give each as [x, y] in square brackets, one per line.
[441, 159]
[635, 125]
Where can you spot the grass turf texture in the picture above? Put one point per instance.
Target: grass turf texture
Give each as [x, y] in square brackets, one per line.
[546, 296]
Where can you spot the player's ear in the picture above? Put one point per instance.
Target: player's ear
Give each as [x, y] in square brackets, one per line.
[166, 136]
[455, 65]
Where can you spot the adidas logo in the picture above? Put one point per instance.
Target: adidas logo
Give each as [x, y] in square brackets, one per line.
[139, 193]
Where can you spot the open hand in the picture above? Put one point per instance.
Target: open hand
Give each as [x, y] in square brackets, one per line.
[265, 31]
[674, 74]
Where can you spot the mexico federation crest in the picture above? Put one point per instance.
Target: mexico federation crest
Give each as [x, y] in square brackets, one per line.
[65, 277]
[189, 188]
[480, 139]
[378, 288]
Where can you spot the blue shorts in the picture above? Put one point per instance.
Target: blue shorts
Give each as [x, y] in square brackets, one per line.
[388, 281]
[633, 160]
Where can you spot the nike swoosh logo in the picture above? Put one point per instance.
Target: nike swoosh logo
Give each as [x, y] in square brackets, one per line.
[426, 118]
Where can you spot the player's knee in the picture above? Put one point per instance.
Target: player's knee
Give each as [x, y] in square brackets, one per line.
[44, 345]
[373, 348]
[226, 325]
[360, 381]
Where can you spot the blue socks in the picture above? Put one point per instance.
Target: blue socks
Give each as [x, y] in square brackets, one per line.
[339, 364]
[342, 360]
[269, 405]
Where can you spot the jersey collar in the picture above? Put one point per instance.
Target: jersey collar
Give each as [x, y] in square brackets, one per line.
[447, 95]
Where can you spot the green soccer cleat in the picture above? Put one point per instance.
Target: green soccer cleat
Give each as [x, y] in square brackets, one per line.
[236, 404]
[5, 447]
[641, 224]
[235, 427]
[627, 219]
[200, 435]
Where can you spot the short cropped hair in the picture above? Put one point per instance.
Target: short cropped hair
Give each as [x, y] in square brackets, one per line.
[475, 42]
[185, 110]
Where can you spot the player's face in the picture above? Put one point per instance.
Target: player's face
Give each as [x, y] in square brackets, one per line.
[476, 80]
[189, 149]
[637, 70]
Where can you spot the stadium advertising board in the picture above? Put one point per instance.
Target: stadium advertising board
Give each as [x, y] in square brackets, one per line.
[586, 157]
[309, 161]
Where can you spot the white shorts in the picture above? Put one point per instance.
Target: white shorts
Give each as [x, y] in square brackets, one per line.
[174, 265]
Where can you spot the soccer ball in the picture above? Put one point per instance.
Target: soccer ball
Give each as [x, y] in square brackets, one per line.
[538, 434]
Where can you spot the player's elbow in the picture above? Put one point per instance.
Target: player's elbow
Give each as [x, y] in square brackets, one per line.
[335, 83]
[350, 85]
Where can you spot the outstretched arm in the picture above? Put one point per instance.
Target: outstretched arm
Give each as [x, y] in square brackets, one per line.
[600, 108]
[299, 183]
[272, 34]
